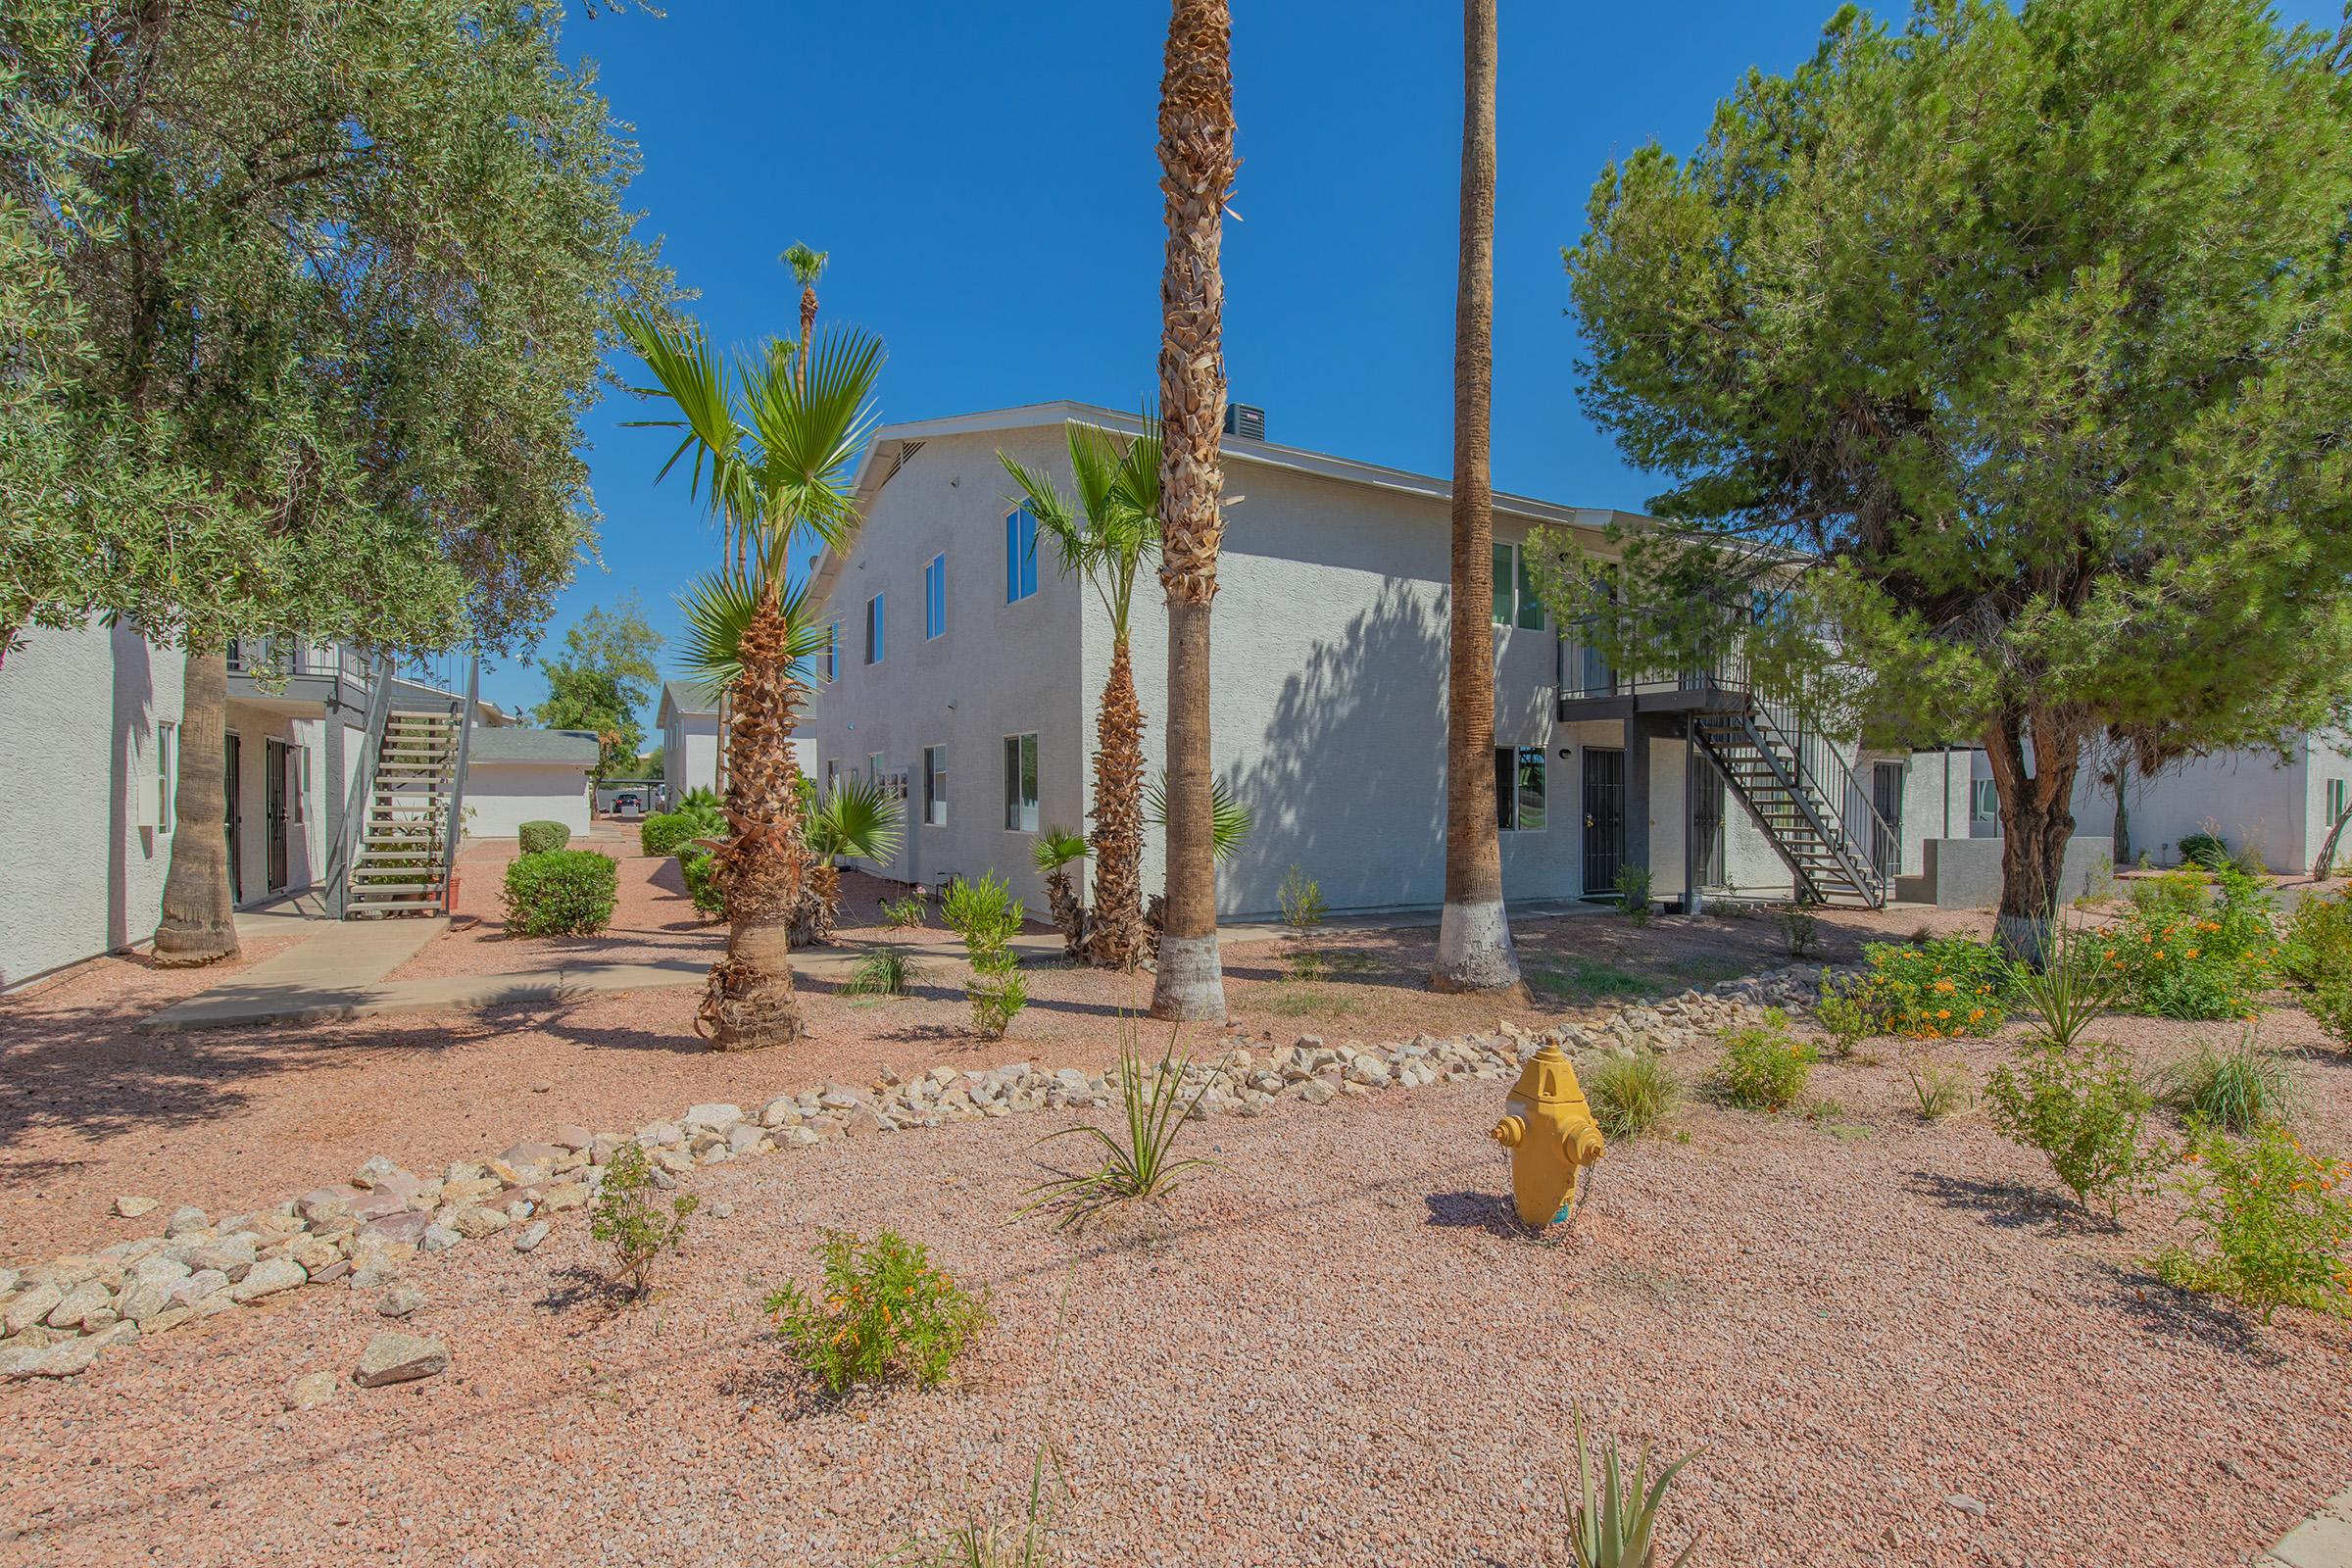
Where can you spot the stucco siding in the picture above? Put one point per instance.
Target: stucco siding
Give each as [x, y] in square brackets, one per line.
[690, 753]
[500, 796]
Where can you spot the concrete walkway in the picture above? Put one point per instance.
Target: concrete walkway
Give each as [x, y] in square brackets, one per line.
[337, 971]
[2322, 1540]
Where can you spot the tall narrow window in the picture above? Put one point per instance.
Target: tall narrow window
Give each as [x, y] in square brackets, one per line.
[299, 762]
[1519, 793]
[1515, 600]
[1984, 801]
[935, 785]
[828, 663]
[1531, 609]
[1020, 783]
[2337, 799]
[1503, 582]
[873, 630]
[166, 775]
[1020, 554]
[874, 767]
[935, 598]
[832, 773]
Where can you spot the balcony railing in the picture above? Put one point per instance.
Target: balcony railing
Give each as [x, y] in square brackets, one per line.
[278, 657]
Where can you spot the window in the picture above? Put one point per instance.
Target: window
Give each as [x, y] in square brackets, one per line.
[2338, 797]
[1020, 783]
[935, 598]
[299, 785]
[1984, 801]
[828, 663]
[874, 767]
[873, 630]
[166, 775]
[1519, 789]
[935, 785]
[1515, 600]
[832, 773]
[1020, 554]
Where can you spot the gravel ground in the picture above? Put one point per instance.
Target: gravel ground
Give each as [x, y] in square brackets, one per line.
[1336, 1349]
[89, 1108]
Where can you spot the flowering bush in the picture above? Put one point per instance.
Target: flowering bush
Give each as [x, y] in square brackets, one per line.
[2274, 1232]
[883, 1311]
[2180, 957]
[2083, 1108]
[1764, 1066]
[1950, 985]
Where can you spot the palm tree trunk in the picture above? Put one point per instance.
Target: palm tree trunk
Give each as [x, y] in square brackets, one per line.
[1195, 159]
[199, 923]
[750, 1002]
[1115, 926]
[1474, 935]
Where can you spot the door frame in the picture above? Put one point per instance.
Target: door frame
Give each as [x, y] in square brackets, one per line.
[1886, 857]
[232, 794]
[1612, 857]
[276, 814]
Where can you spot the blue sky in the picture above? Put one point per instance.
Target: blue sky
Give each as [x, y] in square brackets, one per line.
[985, 179]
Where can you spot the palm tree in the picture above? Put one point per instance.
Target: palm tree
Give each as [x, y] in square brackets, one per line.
[807, 266]
[1108, 537]
[774, 442]
[1474, 935]
[199, 923]
[857, 817]
[1196, 162]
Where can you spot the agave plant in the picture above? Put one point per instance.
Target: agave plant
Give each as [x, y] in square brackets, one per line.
[1138, 1160]
[1057, 850]
[2073, 989]
[1613, 1522]
[859, 816]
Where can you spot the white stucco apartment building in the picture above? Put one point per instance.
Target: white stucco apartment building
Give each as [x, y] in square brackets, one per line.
[971, 674]
[689, 725]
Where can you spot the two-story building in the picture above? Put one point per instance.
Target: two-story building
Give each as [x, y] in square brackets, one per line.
[966, 668]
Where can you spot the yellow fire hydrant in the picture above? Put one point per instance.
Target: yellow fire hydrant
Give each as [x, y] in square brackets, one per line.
[1551, 1135]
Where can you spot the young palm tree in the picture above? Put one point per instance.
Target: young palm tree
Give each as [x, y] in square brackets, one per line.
[1474, 935]
[774, 443]
[1196, 160]
[1108, 537]
[807, 266]
[199, 923]
[858, 817]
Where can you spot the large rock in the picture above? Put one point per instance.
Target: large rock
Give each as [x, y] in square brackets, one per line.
[531, 1236]
[78, 1303]
[400, 1300]
[712, 1118]
[405, 1229]
[184, 1221]
[396, 1357]
[130, 1206]
[311, 1390]
[31, 1307]
[377, 1170]
[782, 1112]
[200, 1285]
[269, 1277]
[477, 1222]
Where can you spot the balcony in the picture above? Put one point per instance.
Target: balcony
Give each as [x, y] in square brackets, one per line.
[298, 678]
[1589, 688]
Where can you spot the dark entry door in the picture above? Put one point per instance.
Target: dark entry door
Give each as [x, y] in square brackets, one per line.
[1706, 823]
[273, 798]
[232, 758]
[1605, 817]
[1887, 794]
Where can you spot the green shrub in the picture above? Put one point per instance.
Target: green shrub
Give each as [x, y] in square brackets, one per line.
[2084, 1111]
[1801, 928]
[2204, 849]
[2169, 893]
[699, 867]
[663, 831]
[2316, 949]
[1936, 990]
[561, 892]
[1633, 893]
[2075, 987]
[2271, 1229]
[883, 1312]
[1841, 1014]
[2330, 1006]
[2236, 1089]
[705, 800]
[628, 1216]
[1939, 1088]
[906, 914]
[1764, 1067]
[537, 838]
[2181, 959]
[986, 915]
[1631, 1095]
[1302, 905]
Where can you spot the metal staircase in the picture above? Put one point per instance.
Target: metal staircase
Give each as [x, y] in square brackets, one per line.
[1816, 813]
[402, 864]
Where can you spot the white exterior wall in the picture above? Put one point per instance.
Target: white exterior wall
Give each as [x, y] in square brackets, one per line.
[307, 849]
[500, 796]
[78, 876]
[689, 752]
[2247, 797]
[1000, 669]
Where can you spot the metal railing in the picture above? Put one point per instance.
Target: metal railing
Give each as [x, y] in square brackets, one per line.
[363, 787]
[455, 828]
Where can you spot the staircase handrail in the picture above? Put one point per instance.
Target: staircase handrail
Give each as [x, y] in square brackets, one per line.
[454, 828]
[1813, 754]
[362, 788]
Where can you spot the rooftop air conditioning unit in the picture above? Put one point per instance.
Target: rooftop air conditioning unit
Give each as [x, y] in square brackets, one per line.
[1246, 421]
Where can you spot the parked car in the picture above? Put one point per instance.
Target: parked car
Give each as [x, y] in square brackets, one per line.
[627, 803]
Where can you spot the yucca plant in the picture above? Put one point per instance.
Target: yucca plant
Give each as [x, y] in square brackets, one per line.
[884, 971]
[1138, 1158]
[2075, 987]
[1613, 1520]
[1058, 849]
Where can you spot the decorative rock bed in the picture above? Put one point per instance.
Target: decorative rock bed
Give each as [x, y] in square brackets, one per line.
[60, 1316]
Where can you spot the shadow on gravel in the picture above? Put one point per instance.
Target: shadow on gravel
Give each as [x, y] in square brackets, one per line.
[2005, 1205]
[576, 1287]
[1490, 1212]
[2178, 1314]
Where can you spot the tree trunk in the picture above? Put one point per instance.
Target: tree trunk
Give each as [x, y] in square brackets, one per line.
[1474, 934]
[1114, 936]
[2038, 819]
[199, 923]
[748, 1002]
[2325, 866]
[1195, 159]
[2123, 816]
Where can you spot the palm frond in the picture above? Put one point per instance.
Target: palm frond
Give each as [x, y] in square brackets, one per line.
[858, 817]
[687, 370]
[717, 607]
[809, 426]
[1056, 847]
[1229, 820]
